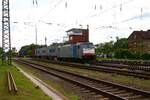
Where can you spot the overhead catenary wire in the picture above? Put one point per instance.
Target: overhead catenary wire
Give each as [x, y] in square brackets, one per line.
[120, 6]
[54, 7]
[104, 10]
[112, 7]
[140, 16]
[99, 8]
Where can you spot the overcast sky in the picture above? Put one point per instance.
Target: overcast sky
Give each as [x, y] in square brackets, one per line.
[106, 19]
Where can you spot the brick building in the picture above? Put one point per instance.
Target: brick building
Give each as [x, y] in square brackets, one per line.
[78, 35]
[139, 41]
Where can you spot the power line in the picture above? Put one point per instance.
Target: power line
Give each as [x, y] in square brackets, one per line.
[55, 6]
[113, 7]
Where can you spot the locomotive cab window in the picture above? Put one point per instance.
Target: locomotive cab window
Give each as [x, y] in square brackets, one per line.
[78, 46]
[51, 50]
[43, 51]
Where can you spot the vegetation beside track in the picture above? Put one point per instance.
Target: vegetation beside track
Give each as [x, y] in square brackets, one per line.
[127, 80]
[52, 83]
[26, 89]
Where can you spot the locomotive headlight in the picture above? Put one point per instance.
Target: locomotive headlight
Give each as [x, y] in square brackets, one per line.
[88, 51]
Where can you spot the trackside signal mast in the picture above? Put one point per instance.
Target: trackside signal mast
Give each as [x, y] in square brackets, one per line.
[6, 38]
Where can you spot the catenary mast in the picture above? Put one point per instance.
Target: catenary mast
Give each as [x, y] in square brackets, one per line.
[6, 38]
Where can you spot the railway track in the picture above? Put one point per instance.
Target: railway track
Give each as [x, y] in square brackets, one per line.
[99, 88]
[129, 67]
[137, 74]
[128, 62]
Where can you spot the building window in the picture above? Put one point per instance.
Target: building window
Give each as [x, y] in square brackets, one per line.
[134, 36]
[71, 38]
[134, 44]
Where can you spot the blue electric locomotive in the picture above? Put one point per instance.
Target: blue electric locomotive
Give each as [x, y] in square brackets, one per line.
[74, 52]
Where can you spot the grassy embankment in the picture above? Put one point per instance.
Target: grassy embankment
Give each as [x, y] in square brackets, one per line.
[26, 89]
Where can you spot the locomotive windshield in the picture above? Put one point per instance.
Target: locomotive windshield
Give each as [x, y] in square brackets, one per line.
[88, 45]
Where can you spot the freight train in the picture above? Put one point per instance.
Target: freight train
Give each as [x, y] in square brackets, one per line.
[79, 52]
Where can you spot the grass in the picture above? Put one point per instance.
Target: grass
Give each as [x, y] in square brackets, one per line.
[26, 89]
[127, 80]
[53, 84]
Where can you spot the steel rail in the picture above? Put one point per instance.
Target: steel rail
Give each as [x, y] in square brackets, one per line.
[136, 91]
[137, 74]
[94, 89]
[126, 66]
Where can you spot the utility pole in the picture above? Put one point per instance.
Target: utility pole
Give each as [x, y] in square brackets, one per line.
[35, 34]
[45, 41]
[6, 38]
[35, 4]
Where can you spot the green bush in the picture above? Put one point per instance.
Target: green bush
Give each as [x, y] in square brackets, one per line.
[126, 54]
[121, 54]
[145, 56]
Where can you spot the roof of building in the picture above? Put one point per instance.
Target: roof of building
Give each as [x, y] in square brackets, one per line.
[142, 34]
[76, 29]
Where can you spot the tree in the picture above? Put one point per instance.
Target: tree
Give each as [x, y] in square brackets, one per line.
[121, 48]
[145, 56]
[14, 52]
[1, 51]
[126, 54]
[106, 48]
[121, 44]
[27, 50]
